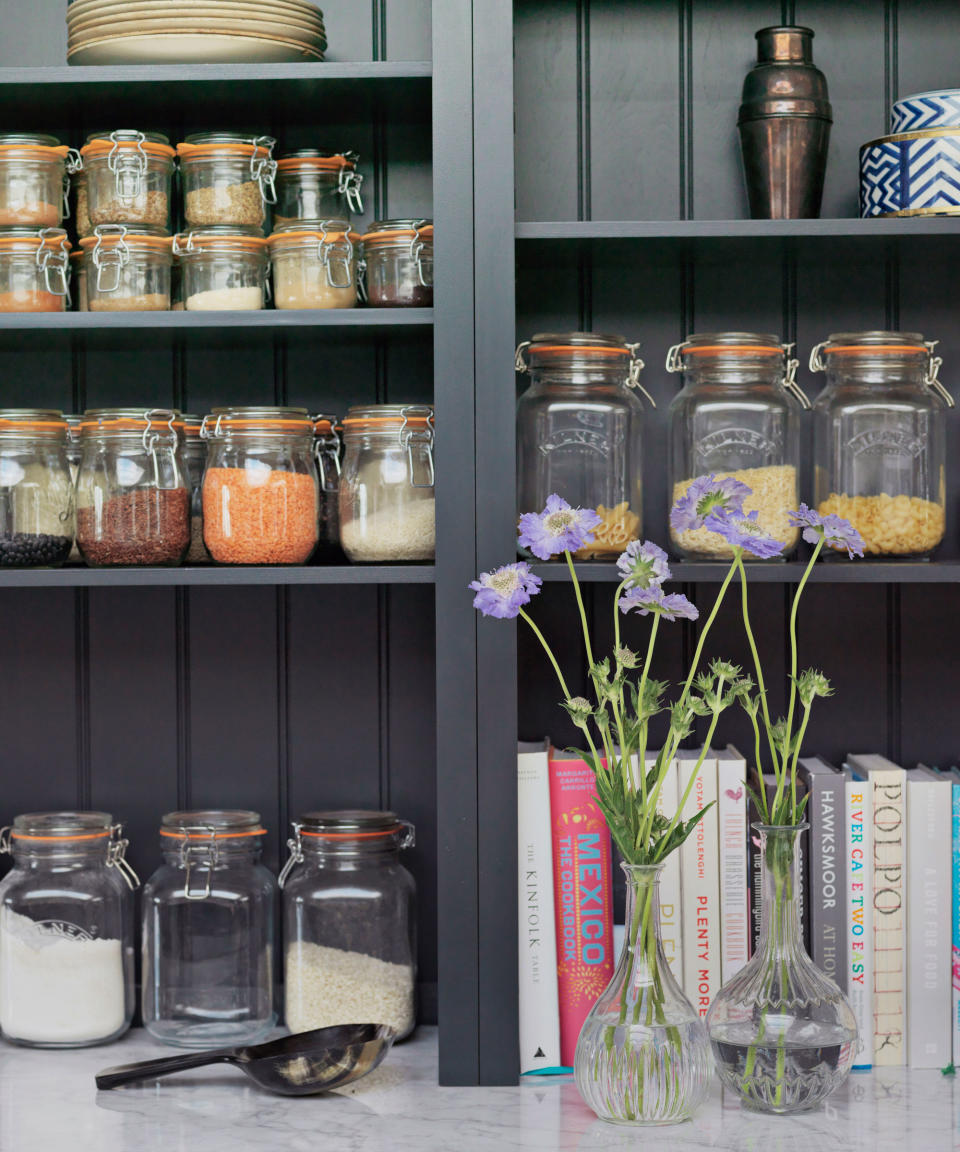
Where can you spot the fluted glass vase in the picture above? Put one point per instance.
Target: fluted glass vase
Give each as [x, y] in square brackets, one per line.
[783, 1034]
[643, 1056]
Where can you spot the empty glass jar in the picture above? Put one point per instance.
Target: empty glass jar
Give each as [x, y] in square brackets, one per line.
[314, 185]
[195, 459]
[208, 932]
[579, 432]
[737, 415]
[66, 931]
[349, 919]
[327, 446]
[127, 179]
[128, 269]
[34, 270]
[228, 178]
[260, 491]
[387, 507]
[314, 265]
[133, 491]
[398, 264]
[32, 180]
[36, 489]
[222, 269]
[879, 439]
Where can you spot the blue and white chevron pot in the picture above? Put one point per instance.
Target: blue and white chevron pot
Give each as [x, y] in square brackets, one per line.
[911, 174]
[926, 110]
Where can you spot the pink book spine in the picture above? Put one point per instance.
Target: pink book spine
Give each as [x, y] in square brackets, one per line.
[583, 895]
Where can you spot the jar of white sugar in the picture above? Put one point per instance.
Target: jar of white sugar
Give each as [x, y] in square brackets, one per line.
[66, 931]
[350, 953]
[387, 510]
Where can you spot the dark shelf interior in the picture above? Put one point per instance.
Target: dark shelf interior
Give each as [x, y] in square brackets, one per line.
[830, 571]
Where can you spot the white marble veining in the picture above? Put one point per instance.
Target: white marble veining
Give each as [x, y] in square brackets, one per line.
[48, 1100]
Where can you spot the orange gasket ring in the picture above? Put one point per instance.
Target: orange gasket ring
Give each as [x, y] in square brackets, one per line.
[352, 835]
[739, 349]
[104, 146]
[318, 163]
[425, 233]
[211, 836]
[869, 349]
[575, 349]
[56, 839]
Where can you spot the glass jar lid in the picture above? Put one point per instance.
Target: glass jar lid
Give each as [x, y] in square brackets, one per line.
[218, 238]
[211, 824]
[126, 145]
[36, 138]
[885, 351]
[300, 233]
[52, 826]
[129, 421]
[49, 423]
[34, 240]
[399, 232]
[256, 421]
[583, 352]
[390, 418]
[191, 425]
[307, 159]
[31, 146]
[760, 355]
[230, 139]
[108, 236]
[109, 135]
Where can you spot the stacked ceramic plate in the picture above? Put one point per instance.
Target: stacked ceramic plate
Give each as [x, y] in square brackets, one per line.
[193, 31]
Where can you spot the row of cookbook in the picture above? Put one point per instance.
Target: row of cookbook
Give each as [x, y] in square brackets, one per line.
[881, 888]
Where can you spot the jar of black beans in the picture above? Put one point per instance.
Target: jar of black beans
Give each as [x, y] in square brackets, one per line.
[36, 490]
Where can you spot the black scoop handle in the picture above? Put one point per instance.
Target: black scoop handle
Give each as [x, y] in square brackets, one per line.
[148, 1069]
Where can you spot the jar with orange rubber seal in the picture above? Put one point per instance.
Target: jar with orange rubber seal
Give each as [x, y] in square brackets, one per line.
[314, 185]
[33, 180]
[128, 269]
[222, 269]
[314, 265]
[398, 264]
[127, 179]
[36, 489]
[34, 270]
[228, 178]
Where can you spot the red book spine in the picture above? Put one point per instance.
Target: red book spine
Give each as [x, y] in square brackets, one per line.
[583, 895]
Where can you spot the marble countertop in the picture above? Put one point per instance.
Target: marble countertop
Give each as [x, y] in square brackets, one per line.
[48, 1099]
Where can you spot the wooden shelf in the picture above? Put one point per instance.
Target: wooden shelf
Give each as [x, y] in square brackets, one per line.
[79, 577]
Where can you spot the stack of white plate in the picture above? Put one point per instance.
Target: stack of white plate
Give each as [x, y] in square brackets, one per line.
[193, 31]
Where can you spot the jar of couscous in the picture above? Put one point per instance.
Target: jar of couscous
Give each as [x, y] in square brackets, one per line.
[880, 440]
[314, 265]
[737, 415]
[229, 178]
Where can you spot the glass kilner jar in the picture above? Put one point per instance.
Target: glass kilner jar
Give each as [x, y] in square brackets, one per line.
[879, 439]
[737, 415]
[208, 932]
[349, 922]
[579, 432]
[36, 489]
[66, 931]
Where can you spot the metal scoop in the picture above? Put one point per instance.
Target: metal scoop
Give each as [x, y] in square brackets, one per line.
[297, 1065]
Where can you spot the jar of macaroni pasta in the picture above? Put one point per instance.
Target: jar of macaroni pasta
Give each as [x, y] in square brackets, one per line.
[349, 917]
[313, 185]
[580, 430]
[879, 440]
[222, 269]
[228, 178]
[34, 270]
[737, 415]
[387, 508]
[128, 269]
[127, 179]
[398, 264]
[36, 489]
[33, 180]
[314, 265]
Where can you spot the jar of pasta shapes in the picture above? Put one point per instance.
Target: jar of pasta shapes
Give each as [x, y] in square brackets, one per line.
[387, 506]
[398, 264]
[127, 179]
[349, 908]
[133, 492]
[580, 432]
[229, 178]
[195, 459]
[879, 440]
[737, 415]
[208, 932]
[34, 270]
[36, 490]
[313, 185]
[127, 269]
[33, 180]
[327, 448]
[260, 487]
[66, 931]
[221, 269]
[314, 265]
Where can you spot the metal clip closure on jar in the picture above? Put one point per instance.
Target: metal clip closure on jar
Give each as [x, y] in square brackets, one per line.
[327, 449]
[579, 352]
[884, 348]
[415, 430]
[314, 265]
[68, 832]
[258, 150]
[128, 176]
[111, 248]
[345, 833]
[157, 428]
[203, 837]
[738, 351]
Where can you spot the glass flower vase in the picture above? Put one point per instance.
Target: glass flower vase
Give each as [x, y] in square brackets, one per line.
[783, 1034]
[643, 1055]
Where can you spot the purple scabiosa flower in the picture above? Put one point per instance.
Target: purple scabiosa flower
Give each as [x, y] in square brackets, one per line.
[558, 528]
[836, 532]
[705, 495]
[652, 600]
[643, 565]
[744, 532]
[503, 592]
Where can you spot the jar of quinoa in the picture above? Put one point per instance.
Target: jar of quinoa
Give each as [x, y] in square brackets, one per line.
[314, 185]
[133, 489]
[128, 269]
[260, 486]
[128, 178]
[398, 264]
[34, 270]
[32, 180]
[221, 269]
[228, 178]
[314, 265]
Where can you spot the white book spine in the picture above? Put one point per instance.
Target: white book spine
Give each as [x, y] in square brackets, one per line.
[701, 885]
[929, 867]
[671, 932]
[539, 1004]
[859, 809]
[734, 883]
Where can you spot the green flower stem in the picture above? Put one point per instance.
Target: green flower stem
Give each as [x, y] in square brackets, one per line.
[761, 790]
[642, 751]
[640, 908]
[705, 630]
[793, 645]
[796, 757]
[583, 611]
[757, 665]
[690, 783]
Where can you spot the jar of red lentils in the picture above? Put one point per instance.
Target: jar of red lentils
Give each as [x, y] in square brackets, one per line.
[34, 270]
[260, 486]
